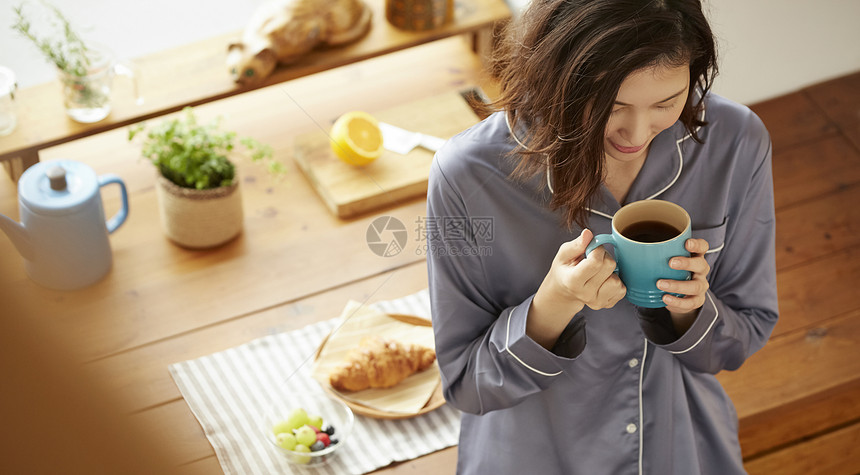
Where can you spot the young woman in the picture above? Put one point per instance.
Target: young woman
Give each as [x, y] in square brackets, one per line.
[603, 102]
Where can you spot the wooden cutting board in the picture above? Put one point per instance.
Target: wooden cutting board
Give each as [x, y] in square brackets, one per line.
[349, 190]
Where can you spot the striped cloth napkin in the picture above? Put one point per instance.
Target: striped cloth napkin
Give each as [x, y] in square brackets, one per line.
[229, 392]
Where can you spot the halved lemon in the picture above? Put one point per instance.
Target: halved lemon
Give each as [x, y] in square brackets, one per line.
[356, 138]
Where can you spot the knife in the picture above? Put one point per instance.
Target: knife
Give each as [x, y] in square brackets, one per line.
[403, 141]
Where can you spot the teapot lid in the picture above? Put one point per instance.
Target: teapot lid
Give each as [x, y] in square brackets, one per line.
[57, 187]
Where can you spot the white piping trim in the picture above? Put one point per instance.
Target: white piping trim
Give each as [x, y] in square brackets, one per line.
[507, 348]
[708, 330]
[514, 136]
[718, 249]
[599, 213]
[511, 130]
[641, 421]
[680, 161]
[549, 180]
[680, 169]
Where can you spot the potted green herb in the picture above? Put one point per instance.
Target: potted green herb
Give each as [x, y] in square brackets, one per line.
[197, 187]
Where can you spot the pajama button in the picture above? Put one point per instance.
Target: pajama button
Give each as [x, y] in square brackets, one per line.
[631, 428]
[633, 363]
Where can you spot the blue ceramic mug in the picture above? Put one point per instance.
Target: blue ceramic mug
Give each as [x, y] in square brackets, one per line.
[646, 234]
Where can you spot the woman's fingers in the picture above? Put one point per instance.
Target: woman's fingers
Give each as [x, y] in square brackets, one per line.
[696, 264]
[685, 304]
[693, 291]
[697, 246]
[591, 280]
[603, 289]
[572, 251]
[694, 286]
[593, 269]
[603, 265]
[610, 292]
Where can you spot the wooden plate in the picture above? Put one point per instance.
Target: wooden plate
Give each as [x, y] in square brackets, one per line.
[435, 402]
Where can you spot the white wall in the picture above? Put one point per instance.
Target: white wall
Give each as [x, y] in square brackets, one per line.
[768, 47]
[771, 47]
[130, 28]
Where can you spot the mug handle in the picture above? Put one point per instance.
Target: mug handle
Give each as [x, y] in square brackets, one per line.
[131, 71]
[119, 218]
[600, 240]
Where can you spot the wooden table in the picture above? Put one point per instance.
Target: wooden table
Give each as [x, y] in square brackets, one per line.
[196, 73]
[294, 264]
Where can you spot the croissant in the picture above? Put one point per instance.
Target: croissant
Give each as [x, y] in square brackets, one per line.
[380, 363]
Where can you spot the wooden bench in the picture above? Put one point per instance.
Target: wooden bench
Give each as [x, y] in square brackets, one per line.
[196, 74]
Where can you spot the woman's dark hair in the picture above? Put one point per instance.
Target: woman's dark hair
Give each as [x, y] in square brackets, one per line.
[560, 66]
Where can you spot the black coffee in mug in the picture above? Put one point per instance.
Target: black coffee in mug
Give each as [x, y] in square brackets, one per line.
[650, 231]
[646, 236]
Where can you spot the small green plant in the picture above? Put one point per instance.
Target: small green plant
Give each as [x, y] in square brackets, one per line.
[194, 155]
[61, 46]
[53, 35]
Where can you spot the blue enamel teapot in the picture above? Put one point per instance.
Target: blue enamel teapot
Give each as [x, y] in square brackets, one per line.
[63, 234]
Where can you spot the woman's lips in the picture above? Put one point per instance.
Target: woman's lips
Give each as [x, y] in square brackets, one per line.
[623, 149]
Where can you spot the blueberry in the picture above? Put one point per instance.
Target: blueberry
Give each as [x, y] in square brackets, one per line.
[329, 429]
[318, 445]
[332, 440]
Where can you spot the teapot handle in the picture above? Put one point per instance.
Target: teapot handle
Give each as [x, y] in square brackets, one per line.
[119, 218]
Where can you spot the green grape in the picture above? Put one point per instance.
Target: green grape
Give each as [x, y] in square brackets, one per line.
[316, 421]
[302, 459]
[306, 436]
[282, 426]
[286, 440]
[298, 418]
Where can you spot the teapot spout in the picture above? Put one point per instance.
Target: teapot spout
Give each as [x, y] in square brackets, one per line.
[18, 235]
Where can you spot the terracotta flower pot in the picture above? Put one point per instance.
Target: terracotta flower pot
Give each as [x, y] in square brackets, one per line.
[199, 218]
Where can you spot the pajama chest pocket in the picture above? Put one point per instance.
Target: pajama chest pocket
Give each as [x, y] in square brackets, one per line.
[716, 237]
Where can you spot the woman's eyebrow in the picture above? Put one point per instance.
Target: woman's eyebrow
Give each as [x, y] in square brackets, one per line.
[619, 103]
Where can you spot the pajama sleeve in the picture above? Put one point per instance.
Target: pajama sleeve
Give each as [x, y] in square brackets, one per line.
[486, 359]
[740, 309]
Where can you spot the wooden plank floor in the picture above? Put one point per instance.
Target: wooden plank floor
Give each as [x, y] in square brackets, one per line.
[799, 398]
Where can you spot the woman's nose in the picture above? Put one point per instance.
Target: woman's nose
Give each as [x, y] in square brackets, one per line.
[635, 130]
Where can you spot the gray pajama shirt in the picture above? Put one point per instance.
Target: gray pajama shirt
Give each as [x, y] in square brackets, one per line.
[620, 392]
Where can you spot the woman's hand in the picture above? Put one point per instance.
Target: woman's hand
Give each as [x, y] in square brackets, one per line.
[573, 282]
[685, 309]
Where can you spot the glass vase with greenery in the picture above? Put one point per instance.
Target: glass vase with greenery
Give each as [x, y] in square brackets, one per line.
[52, 33]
